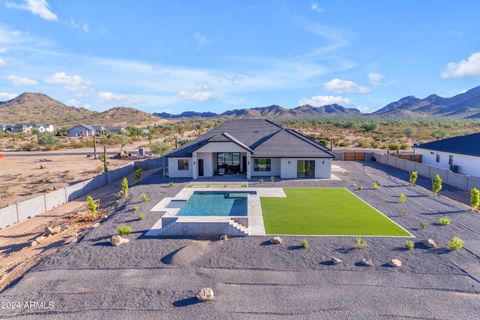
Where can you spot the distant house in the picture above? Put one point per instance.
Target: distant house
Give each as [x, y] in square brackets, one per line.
[25, 128]
[459, 154]
[251, 147]
[85, 130]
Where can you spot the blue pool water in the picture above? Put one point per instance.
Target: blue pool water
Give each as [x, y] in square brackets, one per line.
[213, 203]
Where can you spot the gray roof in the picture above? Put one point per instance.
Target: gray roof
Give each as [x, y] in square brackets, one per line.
[86, 126]
[261, 137]
[467, 145]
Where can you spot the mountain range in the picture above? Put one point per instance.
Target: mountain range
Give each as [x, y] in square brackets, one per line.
[40, 108]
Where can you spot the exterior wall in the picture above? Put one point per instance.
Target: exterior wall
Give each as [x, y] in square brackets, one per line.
[208, 167]
[275, 169]
[173, 168]
[80, 132]
[289, 168]
[467, 164]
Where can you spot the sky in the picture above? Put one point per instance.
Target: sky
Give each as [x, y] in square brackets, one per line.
[174, 56]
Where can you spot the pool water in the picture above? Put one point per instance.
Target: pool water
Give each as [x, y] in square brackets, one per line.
[213, 203]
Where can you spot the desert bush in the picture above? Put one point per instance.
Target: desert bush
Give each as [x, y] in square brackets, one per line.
[261, 180]
[369, 126]
[125, 187]
[445, 220]
[360, 187]
[375, 185]
[423, 225]
[171, 184]
[305, 244]
[402, 198]
[141, 216]
[272, 178]
[437, 185]
[145, 198]
[135, 208]
[124, 230]
[364, 143]
[475, 199]
[360, 243]
[455, 243]
[138, 175]
[409, 245]
[92, 206]
[159, 148]
[413, 177]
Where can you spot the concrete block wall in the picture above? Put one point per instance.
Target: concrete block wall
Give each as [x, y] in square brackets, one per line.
[41, 204]
[151, 163]
[473, 183]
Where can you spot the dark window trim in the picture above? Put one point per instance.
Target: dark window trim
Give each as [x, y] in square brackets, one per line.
[185, 165]
[268, 165]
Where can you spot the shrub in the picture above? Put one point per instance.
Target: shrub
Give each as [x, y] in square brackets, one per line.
[375, 185]
[124, 230]
[455, 243]
[135, 208]
[272, 178]
[125, 187]
[171, 184]
[159, 148]
[413, 177]
[423, 225]
[145, 198]
[261, 180]
[361, 244]
[92, 205]
[402, 198]
[141, 216]
[437, 184]
[409, 245]
[475, 199]
[445, 220]
[305, 244]
[360, 187]
[138, 175]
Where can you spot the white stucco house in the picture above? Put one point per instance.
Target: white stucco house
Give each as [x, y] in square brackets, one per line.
[460, 154]
[253, 148]
[85, 130]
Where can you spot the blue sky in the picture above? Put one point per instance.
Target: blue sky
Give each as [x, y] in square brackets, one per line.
[217, 55]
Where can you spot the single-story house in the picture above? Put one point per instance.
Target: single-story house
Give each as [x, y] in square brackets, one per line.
[85, 130]
[254, 148]
[459, 154]
[24, 128]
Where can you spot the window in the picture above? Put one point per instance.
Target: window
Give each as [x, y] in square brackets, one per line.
[182, 164]
[262, 165]
[437, 158]
[305, 168]
[450, 159]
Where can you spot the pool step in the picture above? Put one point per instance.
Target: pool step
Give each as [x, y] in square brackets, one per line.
[239, 227]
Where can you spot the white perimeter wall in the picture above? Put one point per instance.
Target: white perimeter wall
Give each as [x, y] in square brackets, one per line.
[468, 165]
[173, 168]
[323, 168]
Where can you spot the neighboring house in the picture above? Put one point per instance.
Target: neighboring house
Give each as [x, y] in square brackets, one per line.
[253, 147]
[24, 128]
[84, 130]
[459, 154]
[101, 129]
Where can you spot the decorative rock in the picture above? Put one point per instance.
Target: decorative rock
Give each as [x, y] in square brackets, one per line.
[205, 294]
[277, 240]
[52, 230]
[336, 260]
[429, 243]
[366, 262]
[39, 239]
[395, 263]
[118, 240]
[96, 225]
[33, 243]
[224, 237]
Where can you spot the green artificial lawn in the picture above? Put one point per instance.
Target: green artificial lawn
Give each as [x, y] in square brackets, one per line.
[325, 211]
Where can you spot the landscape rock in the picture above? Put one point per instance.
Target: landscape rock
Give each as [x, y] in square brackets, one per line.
[224, 237]
[277, 240]
[336, 260]
[39, 239]
[205, 294]
[429, 243]
[52, 230]
[395, 263]
[118, 240]
[366, 262]
[33, 243]
[96, 225]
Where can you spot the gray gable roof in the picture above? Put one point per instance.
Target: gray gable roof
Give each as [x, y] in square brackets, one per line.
[467, 145]
[263, 137]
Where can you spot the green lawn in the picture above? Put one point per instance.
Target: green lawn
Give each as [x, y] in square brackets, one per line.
[325, 211]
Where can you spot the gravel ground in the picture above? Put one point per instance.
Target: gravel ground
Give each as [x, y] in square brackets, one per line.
[255, 280]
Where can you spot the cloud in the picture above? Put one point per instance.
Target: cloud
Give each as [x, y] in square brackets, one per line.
[376, 78]
[80, 25]
[37, 7]
[464, 68]
[69, 82]
[201, 39]
[2, 62]
[18, 81]
[4, 96]
[316, 7]
[201, 94]
[319, 101]
[344, 86]
[105, 96]
[3, 50]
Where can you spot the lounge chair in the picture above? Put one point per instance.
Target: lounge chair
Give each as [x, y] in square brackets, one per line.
[221, 171]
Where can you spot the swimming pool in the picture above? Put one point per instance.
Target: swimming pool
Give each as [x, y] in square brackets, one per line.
[216, 203]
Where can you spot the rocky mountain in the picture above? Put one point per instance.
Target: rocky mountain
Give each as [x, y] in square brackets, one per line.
[186, 114]
[125, 116]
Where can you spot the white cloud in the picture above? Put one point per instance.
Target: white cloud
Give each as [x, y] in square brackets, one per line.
[344, 86]
[201, 94]
[37, 7]
[21, 81]
[464, 68]
[74, 102]
[201, 39]
[4, 96]
[80, 25]
[376, 78]
[316, 7]
[69, 82]
[105, 96]
[2, 62]
[319, 101]
[3, 50]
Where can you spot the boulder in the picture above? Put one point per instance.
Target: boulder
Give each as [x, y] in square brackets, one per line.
[205, 294]
[39, 239]
[277, 240]
[118, 240]
[336, 260]
[96, 225]
[397, 263]
[366, 262]
[429, 243]
[52, 230]
[224, 237]
[33, 243]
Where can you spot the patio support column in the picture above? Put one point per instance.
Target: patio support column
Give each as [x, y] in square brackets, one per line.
[194, 166]
[249, 165]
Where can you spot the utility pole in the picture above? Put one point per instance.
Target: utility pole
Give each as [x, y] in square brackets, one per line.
[105, 156]
[94, 147]
[176, 142]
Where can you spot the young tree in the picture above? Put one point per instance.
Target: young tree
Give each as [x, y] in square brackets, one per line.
[413, 177]
[475, 199]
[125, 187]
[403, 200]
[92, 206]
[138, 175]
[437, 184]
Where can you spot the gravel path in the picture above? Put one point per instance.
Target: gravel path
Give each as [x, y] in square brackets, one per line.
[255, 280]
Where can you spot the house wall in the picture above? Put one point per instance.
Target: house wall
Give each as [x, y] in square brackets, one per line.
[80, 132]
[289, 168]
[208, 166]
[468, 165]
[275, 169]
[173, 168]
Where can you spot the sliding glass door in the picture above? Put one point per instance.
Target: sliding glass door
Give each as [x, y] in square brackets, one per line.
[305, 168]
[230, 161]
